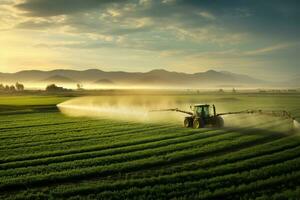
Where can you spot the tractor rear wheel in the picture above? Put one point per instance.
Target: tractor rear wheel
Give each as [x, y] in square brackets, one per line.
[198, 123]
[188, 122]
[219, 122]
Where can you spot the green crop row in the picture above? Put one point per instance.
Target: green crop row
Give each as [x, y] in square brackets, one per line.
[108, 157]
[52, 148]
[140, 137]
[39, 130]
[203, 180]
[266, 148]
[86, 135]
[79, 173]
[175, 139]
[105, 138]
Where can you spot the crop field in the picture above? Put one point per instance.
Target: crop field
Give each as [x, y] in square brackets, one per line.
[45, 154]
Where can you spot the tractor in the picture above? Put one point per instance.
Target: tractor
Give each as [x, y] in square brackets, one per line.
[204, 115]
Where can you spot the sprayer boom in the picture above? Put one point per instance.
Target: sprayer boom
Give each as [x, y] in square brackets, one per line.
[203, 116]
[173, 109]
[278, 113]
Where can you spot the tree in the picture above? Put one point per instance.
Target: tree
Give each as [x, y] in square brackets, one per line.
[19, 87]
[55, 88]
[51, 88]
[233, 90]
[2, 87]
[12, 88]
[221, 90]
[79, 86]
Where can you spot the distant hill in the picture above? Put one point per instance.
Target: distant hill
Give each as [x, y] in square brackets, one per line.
[58, 79]
[210, 78]
[104, 81]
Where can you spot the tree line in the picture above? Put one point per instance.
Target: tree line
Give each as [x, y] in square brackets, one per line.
[18, 87]
[12, 88]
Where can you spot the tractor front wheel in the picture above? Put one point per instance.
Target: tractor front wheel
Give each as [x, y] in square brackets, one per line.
[198, 123]
[188, 122]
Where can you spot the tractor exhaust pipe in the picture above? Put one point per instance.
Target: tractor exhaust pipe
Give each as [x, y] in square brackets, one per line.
[214, 108]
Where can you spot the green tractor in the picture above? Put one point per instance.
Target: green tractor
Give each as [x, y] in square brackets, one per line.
[203, 115]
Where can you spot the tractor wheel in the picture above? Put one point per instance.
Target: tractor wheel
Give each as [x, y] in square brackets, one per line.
[188, 122]
[219, 122]
[198, 123]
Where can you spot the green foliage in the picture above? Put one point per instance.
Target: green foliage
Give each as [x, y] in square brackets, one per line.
[46, 155]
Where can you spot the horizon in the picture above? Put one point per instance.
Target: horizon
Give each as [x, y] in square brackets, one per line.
[160, 79]
[258, 39]
[82, 70]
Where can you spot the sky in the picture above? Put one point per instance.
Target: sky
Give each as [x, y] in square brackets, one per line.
[253, 37]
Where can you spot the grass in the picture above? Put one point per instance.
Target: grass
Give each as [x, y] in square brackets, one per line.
[45, 154]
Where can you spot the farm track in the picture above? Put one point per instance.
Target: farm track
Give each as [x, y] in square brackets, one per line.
[104, 159]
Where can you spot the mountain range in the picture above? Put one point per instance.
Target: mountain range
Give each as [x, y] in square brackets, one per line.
[156, 77]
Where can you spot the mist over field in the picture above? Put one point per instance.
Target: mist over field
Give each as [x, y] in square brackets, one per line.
[146, 109]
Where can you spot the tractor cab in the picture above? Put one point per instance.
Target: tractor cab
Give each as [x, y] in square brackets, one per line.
[204, 110]
[203, 115]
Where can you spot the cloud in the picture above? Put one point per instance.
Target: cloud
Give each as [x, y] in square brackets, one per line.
[162, 26]
[39, 25]
[46, 8]
[206, 15]
[118, 17]
[171, 29]
[269, 49]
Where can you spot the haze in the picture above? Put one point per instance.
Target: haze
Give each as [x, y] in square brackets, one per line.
[257, 38]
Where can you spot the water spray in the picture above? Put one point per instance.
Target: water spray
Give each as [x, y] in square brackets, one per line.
[296, 125]
[119, 112]
[136, 108]
[125, 108]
